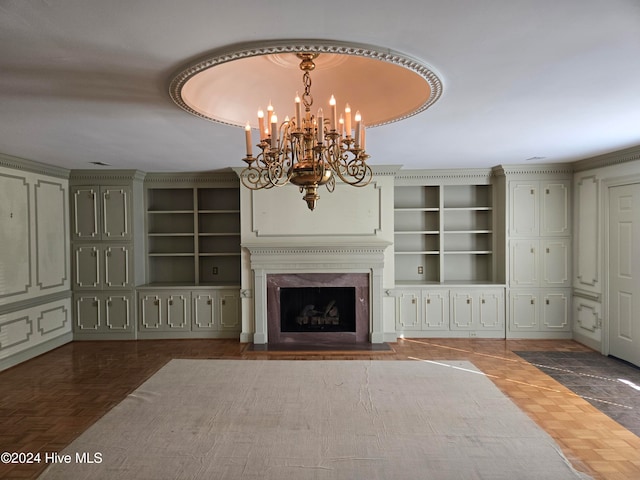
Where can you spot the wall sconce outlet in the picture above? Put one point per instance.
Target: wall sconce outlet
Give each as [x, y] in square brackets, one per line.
[420, 270]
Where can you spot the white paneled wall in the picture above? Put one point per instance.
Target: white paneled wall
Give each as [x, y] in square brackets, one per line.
[35, 313]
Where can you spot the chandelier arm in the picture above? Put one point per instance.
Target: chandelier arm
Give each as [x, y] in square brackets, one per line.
[255, 178]
[354, 172]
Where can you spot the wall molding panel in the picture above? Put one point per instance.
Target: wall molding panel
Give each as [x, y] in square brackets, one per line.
[51, 232]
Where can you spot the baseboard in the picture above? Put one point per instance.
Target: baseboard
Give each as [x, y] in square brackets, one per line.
[35, 351]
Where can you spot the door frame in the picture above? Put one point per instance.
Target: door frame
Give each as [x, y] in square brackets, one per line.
[608, 184]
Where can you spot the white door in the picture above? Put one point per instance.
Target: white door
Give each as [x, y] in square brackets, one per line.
[624, 272]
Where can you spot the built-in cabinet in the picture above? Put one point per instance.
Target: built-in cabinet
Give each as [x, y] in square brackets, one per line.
[102, 266]
[101, 212]
[450, 312]
[107, 252]
[104, 313]
[539, 239]
[198, 312]
[192, 287]
[446, 283]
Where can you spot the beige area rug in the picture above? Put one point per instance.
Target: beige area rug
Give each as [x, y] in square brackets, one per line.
[299, 420]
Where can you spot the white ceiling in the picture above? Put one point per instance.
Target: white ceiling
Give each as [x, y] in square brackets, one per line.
[87, 80]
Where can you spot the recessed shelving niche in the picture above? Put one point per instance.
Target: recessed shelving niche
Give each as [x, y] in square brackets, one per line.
[193, 236]
[443, 233]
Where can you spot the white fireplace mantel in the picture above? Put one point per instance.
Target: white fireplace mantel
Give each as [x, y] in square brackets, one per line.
[366, 257]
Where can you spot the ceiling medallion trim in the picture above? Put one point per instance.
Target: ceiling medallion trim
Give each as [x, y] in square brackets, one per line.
[253, 49]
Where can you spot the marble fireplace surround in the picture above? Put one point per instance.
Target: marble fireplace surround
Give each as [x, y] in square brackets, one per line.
[271, 263]
[360, 281]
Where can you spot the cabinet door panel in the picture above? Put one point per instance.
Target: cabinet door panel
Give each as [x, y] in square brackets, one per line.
[117, 263]
[462, 311]
[86, 260]
[524, 263]
[555, 209]
[150, 312]
[115, 213]
[87, 313]
[436, 311]
[556, 266]
[85, 213]
[491, 311]
[229, 310]
[178, 311]
[409, 315]
[555, 311]
[203, 311]
[524, 311]
[525, 212]
[118, 313]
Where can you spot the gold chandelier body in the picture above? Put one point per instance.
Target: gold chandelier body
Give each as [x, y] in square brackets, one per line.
[308, 151]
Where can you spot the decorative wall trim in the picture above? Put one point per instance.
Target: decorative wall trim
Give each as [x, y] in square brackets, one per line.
[362, 227]
[27, 241]
[42, 328]
[26, 332]
[64, 233]
[367, 249]
[587, 239]
[593, 296]
[588, 317]
[32, 166]
[33, 302]
[608, 159]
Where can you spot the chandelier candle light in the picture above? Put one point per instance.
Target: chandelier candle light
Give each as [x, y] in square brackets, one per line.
[307, 150]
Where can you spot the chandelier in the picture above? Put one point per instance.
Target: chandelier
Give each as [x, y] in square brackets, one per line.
[307, 150]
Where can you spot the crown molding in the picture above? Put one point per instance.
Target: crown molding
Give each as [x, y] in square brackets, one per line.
[106, 175]
[538, 169]
[614, 158]
[385, 170]
[23, 164]
[477, 176]
[223, 178]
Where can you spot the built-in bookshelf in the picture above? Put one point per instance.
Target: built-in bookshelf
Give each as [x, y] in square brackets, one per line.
[193, 236]
[443, 233]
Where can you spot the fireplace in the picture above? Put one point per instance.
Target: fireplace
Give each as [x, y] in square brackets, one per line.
[359, 266]
[318, 308]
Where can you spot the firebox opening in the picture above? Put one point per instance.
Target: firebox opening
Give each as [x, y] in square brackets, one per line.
[318, 309]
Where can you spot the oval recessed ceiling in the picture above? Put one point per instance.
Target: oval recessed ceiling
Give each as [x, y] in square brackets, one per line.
[230, 86]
